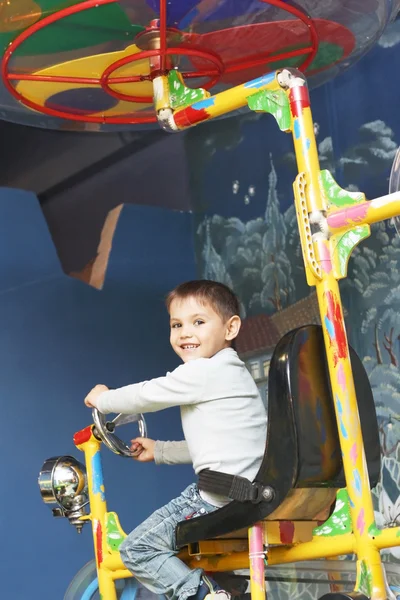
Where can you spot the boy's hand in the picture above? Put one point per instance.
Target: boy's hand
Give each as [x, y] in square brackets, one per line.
[92, 396]
[143, 449]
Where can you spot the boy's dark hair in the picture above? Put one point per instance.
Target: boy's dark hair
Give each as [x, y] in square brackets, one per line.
[218, 295]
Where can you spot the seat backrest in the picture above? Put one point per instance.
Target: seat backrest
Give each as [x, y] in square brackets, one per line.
[300, 371]
[302, 448]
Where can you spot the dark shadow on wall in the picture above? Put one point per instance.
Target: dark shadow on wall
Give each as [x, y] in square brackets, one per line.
[76, 211]
[80, 177]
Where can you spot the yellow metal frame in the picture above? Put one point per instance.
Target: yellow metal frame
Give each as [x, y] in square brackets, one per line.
[331, 222]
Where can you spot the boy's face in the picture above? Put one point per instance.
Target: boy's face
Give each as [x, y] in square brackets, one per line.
[197, 331]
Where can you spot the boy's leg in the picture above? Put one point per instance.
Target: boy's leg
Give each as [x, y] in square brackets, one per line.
[149, 552]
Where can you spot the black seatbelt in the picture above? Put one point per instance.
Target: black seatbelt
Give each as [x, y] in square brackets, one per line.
[234, 487]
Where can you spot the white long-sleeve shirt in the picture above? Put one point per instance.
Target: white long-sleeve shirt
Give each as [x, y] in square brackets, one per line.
[172, 453]
[223, 417]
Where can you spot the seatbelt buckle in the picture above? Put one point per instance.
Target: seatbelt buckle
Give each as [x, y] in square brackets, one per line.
[260, 493]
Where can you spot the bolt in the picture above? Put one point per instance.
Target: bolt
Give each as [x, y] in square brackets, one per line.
[268, 494]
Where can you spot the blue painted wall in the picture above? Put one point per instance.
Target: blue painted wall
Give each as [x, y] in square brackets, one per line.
[58, 337]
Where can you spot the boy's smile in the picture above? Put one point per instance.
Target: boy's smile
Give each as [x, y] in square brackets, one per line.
[197, 331]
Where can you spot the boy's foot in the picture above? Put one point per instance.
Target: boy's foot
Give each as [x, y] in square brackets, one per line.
[218, 595]
[214, 592]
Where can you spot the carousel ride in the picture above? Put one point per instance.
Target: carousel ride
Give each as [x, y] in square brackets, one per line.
[110, 65]
[91, 65]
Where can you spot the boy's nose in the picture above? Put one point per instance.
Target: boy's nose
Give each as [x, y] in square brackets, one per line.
[186, 333]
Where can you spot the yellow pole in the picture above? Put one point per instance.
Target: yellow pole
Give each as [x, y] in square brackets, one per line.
[371, 211]
[234, 98]
[319, 547]
[370, 577]
[209, 107]
[387, 538]
[90, 446]
[348, 421]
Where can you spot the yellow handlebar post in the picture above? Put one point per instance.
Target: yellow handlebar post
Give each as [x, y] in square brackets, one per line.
[90, 446]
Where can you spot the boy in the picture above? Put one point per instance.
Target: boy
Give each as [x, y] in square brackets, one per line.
[223, 419]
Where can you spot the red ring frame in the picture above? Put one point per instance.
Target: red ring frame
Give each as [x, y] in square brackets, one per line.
[105, 81]
[163, 52]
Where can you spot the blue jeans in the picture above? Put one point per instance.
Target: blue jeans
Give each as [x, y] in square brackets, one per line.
[150, 552]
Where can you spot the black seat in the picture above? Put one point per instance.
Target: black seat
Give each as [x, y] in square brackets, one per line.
[302, 448]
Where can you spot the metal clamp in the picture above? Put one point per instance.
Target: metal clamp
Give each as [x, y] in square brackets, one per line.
[261, 493]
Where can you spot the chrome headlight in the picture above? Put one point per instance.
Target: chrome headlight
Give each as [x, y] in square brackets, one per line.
[63, 485]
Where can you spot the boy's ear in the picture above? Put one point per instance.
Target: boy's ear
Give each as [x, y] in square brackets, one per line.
[233, 327]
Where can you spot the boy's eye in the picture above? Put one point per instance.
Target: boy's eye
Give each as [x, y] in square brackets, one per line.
[198, 322]
[175, 325]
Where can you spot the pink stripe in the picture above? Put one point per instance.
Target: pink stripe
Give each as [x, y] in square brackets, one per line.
[256, 549]
[361, 522]
[341, 377]
[348, 216]
[325, 256]
[354, 453]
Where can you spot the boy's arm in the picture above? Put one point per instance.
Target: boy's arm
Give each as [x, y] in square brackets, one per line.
[171, 453]
[183, 386]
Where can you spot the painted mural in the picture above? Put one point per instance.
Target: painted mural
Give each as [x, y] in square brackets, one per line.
[246, 236]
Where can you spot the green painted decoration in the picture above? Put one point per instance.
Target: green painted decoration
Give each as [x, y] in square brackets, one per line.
[374, 531]
[364, 579]
[114, 534]
[346, 243]
[335, 195]
[339, 522]
[342, 244]
[180, 95]
[274, 102]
